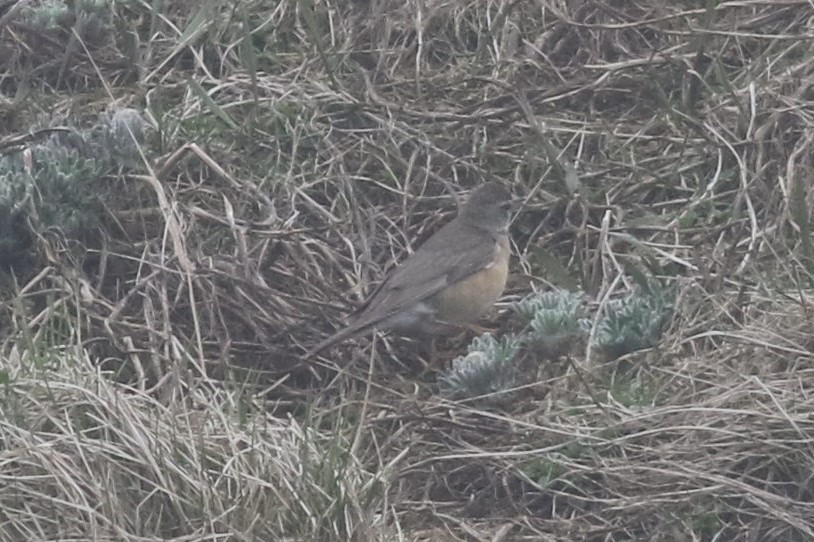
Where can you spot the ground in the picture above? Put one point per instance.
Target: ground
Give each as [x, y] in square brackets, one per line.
[194, 193]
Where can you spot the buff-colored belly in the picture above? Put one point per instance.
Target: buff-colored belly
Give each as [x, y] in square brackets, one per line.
[467, 300]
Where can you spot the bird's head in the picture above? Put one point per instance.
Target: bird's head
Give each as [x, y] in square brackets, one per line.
[489, 206]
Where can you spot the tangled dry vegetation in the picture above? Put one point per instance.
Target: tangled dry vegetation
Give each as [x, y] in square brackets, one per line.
[295, 149]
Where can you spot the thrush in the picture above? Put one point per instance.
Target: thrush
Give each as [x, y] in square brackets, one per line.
[450, 281]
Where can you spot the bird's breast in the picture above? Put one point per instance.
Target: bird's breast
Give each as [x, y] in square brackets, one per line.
[468, 299]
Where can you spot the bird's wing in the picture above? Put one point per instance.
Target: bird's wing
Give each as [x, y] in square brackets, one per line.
[433, 267]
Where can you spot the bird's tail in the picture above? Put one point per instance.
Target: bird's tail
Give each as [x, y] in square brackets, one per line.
[337, 337]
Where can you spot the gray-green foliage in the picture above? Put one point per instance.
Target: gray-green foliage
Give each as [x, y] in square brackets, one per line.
[91, 17]
[62, 185]
[118, 135]
[633, 322]
[556, 322]
[486, 368]
[47, 15]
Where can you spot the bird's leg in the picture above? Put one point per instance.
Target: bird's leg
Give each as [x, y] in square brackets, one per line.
[463, 331]
[430, 353]
[478, 329]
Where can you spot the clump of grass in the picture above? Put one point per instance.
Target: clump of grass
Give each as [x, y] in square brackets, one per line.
[115, 460]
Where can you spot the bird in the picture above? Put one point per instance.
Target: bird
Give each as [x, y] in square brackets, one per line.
[449, 281]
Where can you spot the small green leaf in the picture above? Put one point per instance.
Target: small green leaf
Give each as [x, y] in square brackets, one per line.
[212, 105]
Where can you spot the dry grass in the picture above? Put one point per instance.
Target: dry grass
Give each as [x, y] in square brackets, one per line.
[150, 379]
